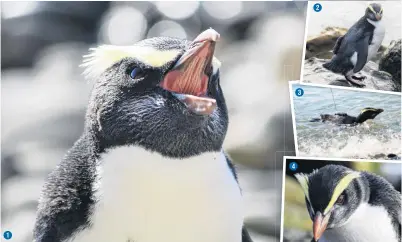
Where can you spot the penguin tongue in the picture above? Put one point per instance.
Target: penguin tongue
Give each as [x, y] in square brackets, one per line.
[188, 79]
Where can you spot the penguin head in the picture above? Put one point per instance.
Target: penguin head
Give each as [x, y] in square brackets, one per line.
[161, 93]
[374, 12]
[368, 113]
[332, 194]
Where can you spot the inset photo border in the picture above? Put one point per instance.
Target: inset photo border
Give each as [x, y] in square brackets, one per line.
[343, 123]
[343, 48]
[333, 199]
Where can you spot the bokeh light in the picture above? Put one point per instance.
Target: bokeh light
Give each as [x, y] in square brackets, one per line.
[167, 28]
[177, 10]
[123, 25]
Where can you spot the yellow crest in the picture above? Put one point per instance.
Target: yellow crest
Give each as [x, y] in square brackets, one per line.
[342, 185]
[303, 180]
[103, 57]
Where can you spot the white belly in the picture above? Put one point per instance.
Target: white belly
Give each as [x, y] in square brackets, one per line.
[368, 224]
[145, 197]
[378, 37]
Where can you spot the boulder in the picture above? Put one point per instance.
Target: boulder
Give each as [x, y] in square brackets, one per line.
[390, 62]
[321, 46]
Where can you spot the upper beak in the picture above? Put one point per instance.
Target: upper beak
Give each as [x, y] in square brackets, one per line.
[320, 225]
[380, 110]
[188, 78]
[378, 16]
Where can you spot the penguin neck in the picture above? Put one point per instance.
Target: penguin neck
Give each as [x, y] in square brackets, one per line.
[374, 23]
[361, 118]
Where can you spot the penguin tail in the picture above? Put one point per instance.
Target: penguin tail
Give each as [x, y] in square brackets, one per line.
[334, 65]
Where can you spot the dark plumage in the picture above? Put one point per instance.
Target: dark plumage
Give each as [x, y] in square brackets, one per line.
[335, 193]
[344, 118]
[353, 50]
[132, 105]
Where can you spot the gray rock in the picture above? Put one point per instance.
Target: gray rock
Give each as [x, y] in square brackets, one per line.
[391, 62]
[375, 79]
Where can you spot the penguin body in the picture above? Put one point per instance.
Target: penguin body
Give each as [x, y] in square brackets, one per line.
[149, 166]
[163, 199]
[359, 230]
[351, 206]
[344, 118]
[360, 44]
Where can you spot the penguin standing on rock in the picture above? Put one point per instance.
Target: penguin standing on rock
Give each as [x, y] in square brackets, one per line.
[149, 166]
[360, 44]
[351, 206]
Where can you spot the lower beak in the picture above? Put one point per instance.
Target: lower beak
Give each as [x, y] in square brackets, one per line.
[320, 225]
[378, 16]
[189, 77]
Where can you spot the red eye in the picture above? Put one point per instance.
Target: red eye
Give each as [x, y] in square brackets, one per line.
[341, 199]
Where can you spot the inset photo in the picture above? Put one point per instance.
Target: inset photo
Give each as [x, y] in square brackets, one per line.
[333, 200]
[353, 44]
[344, 123]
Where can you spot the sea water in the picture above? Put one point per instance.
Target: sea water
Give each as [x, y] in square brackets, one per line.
[381, 135]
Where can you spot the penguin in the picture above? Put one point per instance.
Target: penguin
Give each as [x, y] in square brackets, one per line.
[360, 44]
[351, 206]
[149, 165]
[344, 118]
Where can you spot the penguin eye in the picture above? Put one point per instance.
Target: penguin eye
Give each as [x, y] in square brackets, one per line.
[136, 73]
[341, 199]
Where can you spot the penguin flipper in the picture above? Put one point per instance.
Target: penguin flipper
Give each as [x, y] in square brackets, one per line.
[341, 114]
[315, 120]
[362, 53]
[245, 236]
[337, 45]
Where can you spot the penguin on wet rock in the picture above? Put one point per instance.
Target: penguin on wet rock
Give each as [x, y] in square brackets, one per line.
[360, 44]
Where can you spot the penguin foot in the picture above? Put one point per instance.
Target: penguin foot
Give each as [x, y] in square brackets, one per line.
[353, 82]
[360, 78]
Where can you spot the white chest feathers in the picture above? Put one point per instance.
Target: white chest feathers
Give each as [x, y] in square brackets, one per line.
[368, 224]
[145, 197]
[378, 37]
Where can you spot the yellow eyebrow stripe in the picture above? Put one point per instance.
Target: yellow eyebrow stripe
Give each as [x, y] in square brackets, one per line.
[342, 185]
[368, 109]
[371, 8]
[103, 57]
[303, 180]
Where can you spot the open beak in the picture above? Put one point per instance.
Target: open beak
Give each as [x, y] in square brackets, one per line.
[188, 79]
[320, 225]
[378, 16]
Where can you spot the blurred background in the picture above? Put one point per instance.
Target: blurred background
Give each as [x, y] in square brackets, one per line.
[44, 95]
[297, 223]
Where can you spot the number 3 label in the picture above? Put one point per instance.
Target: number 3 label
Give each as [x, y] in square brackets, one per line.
[299, 92]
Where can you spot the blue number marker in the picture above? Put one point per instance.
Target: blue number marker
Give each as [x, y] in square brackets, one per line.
[293, 166]
[299, 92]
[7, 235]
[317, 7]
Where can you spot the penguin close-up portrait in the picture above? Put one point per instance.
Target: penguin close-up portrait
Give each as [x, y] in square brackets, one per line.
[359, 45]
[351, 206]
[344, 118]
[149, 165]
